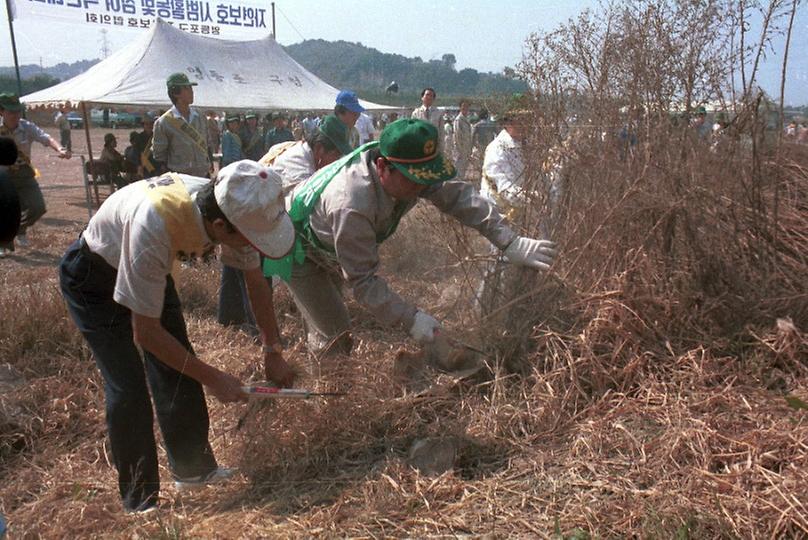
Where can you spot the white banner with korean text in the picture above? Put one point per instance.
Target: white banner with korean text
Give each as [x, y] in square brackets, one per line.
[227, 19]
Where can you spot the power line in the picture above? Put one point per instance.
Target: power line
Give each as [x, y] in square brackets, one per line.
[290, 23]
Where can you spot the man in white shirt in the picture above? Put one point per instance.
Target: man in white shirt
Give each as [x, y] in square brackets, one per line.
[462, 140]
[116, 281]
[364, 125]
[427, 111]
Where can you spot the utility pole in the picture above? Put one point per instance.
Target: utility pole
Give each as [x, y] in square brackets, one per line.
[104, 43]
[274, 35]
[14, 46]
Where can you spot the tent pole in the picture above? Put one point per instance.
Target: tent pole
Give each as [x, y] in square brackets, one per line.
[90, 150]
[14, 45]
[274, 35]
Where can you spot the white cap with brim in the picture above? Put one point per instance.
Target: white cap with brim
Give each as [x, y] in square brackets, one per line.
[251, 197]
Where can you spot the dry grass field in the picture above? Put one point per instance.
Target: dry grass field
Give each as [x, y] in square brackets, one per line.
[650, 387]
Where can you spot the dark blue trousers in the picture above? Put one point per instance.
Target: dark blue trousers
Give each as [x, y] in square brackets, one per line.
[234, 305]
[87, 283]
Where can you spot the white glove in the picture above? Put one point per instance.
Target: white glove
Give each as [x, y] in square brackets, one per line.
[537, 254]
[424, 328]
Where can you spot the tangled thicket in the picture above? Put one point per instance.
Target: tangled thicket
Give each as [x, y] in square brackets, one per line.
[650, 386]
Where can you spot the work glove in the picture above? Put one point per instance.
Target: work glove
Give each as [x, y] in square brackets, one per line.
[536, 254]
[424, 328]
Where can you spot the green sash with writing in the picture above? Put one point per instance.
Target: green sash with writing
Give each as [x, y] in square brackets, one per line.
[187, 129]
[301, 209]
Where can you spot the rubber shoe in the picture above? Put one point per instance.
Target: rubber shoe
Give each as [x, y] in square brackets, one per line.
[216, 476]
[142, 510]
[22, 241]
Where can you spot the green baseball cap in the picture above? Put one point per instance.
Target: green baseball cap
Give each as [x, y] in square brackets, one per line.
[10, 102]
[232, 117]
[336, 132]
[179, 79]
[250, 114]
[411, 145]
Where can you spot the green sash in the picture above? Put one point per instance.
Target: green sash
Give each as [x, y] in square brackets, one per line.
[187, 129]
[301, 209]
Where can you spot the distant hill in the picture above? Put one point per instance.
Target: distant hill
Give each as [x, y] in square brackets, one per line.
[341, 64]
[368, 71]
[60, 71]
[36, 78]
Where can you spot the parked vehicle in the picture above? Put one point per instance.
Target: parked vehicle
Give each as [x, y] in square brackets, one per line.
[125, 119]
[75, 120]
[116, 119]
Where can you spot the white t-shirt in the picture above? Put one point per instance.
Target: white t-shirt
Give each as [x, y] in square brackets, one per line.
[294, 166]
[130, 235]
[364, 125]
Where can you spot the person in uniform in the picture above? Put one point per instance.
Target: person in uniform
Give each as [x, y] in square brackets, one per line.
[180, 134]
[252, 137]
[232, 149]
[116, 281]
[22, 173]
[233, 308]
[279, 133]
[297, 161]
[345, 210]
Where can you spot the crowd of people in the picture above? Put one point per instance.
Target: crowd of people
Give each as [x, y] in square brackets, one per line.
[307, 204]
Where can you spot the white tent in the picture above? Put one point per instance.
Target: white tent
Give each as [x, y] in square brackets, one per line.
[231, 75]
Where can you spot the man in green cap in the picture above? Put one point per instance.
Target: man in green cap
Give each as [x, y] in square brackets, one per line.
[348, 208]
[180, 135]
[252, 137]
[22, 173]
[232, 146]
[294, 161]
[279, 132]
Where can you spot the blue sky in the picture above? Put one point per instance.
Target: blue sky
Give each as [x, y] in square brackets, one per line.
[484, 35]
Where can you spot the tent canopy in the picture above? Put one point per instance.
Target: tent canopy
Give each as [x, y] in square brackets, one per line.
[233, 75]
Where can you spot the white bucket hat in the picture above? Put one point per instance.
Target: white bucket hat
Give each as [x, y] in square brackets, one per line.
[251, 197]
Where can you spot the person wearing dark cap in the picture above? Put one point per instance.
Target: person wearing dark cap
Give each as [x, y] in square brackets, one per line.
[345, 210]
[233, 308]
[116, 281]
[22, 173]
[113, 159]
[279, 132]
[180, 135]
[252, 138]
[232, 149]
[297, 161]
[294, 161]
[348, 110]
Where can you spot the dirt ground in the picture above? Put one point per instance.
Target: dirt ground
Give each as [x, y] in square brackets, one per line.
[62, 185]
